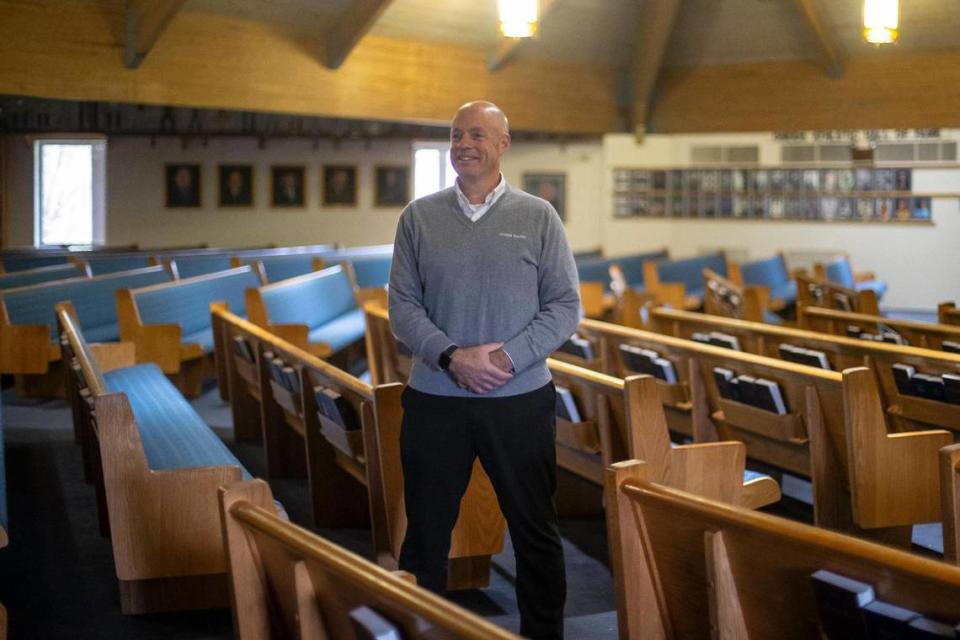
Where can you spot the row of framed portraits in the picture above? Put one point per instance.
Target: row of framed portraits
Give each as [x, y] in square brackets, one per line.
[854, 181]
[184, 187]
[770, 207]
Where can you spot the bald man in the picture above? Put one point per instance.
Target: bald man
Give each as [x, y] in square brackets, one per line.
[482, 289]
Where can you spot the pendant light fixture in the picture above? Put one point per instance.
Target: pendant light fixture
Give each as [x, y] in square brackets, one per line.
[518, 18]
[881, 21]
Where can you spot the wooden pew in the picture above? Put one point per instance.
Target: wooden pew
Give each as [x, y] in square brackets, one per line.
[918, 334]
[723, 297]
[170, 323]
[841, 353]
[354, 475]
[620, 419]
[28, 323]
[947, 313]
[686, 272]
[16, 279]
[317, 312]
[836, 430]
[813, 292]
[689, 567]
[158, 467]
[289, 582]
[772, 273]
[839, 271]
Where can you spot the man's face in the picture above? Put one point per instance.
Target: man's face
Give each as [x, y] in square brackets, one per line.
[183, 178]
[477, 140]
[235, 182]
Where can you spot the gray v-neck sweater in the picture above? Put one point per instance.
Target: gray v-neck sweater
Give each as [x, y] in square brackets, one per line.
[508, 277]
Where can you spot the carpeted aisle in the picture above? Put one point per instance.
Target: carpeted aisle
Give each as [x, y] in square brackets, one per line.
[57, 577]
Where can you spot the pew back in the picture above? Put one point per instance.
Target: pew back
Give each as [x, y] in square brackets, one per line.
[772, 273]
[841, 353]
[684, 566]
[919, 334]
[289, 582]
[821, 293]
[29, 277]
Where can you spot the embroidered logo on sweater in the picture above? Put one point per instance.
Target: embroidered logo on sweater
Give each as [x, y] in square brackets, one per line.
[512, 235]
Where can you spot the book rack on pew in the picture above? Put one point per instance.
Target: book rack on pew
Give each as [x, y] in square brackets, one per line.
[349, 455]
[284, 576]
[685, 566]
[868, 477]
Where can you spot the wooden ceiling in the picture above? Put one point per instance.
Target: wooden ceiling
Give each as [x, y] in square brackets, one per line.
[636, 52]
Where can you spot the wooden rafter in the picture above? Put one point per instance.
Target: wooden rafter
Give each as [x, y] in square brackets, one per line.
[355, 22]
[657, 18]
[507, 48]
[145, 22]
[828, 48]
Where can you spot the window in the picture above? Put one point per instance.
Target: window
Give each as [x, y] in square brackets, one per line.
[432, 170]
[69, 186]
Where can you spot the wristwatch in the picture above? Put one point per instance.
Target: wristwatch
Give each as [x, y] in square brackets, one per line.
[444, 361]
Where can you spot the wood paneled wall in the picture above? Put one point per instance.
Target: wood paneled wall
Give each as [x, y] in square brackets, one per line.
[75, 51]
[895, 89]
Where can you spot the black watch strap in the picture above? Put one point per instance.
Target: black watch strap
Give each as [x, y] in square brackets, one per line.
[444, 361]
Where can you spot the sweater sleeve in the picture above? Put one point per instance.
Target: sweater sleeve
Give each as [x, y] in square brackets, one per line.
[559, 291]
[408, 316]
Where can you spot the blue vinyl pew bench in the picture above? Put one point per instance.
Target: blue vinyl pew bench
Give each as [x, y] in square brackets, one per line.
[158, 468]
[276, 268]
[686, 272]
[28, 325]
[772, 273]
[839, 271]
[317, 312]
[171, 325]
[17, 279]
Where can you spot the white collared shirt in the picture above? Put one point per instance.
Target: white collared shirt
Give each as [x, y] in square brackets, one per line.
[476, 211]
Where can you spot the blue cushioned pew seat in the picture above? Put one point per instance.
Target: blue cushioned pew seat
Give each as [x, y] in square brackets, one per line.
[13, 263]
[42, 274]
[113, 264]
[174, 436]
[839, 271]
[371, 272]
[31, 322]
[317, 312]
[158, 471]
[771, 273]
[687, 272]
[170, 323]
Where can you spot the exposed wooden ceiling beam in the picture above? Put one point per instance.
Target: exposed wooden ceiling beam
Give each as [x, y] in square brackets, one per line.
[145, 22]
[507, 48]
[355, 22]
[828, 48]
[657, 18]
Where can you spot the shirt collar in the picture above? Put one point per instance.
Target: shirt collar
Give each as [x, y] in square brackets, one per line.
[491, 197]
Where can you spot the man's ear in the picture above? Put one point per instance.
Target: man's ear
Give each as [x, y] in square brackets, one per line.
[505, 142]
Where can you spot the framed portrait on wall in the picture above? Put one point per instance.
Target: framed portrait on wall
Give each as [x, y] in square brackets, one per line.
[236, 185]
[182, 185]
[552, 187]
[286, 186]
[393, 186]
[340, 185]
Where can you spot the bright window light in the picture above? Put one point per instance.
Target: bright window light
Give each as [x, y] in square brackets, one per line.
[432, 169]
[881, 19]
[518, 18]
[69, 188]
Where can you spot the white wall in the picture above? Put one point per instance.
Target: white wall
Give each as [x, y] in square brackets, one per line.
[135, 191]
[918, 261]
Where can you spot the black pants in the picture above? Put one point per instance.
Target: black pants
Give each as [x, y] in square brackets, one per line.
[514, 438]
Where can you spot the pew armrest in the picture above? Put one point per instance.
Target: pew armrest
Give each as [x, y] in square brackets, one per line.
[864, 276]
[114, 355]
[26, 348]
[950, 501]
[159, 343]
[295, 334]
[713, 470]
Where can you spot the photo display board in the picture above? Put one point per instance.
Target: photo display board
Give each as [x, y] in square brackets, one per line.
[858, 194]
